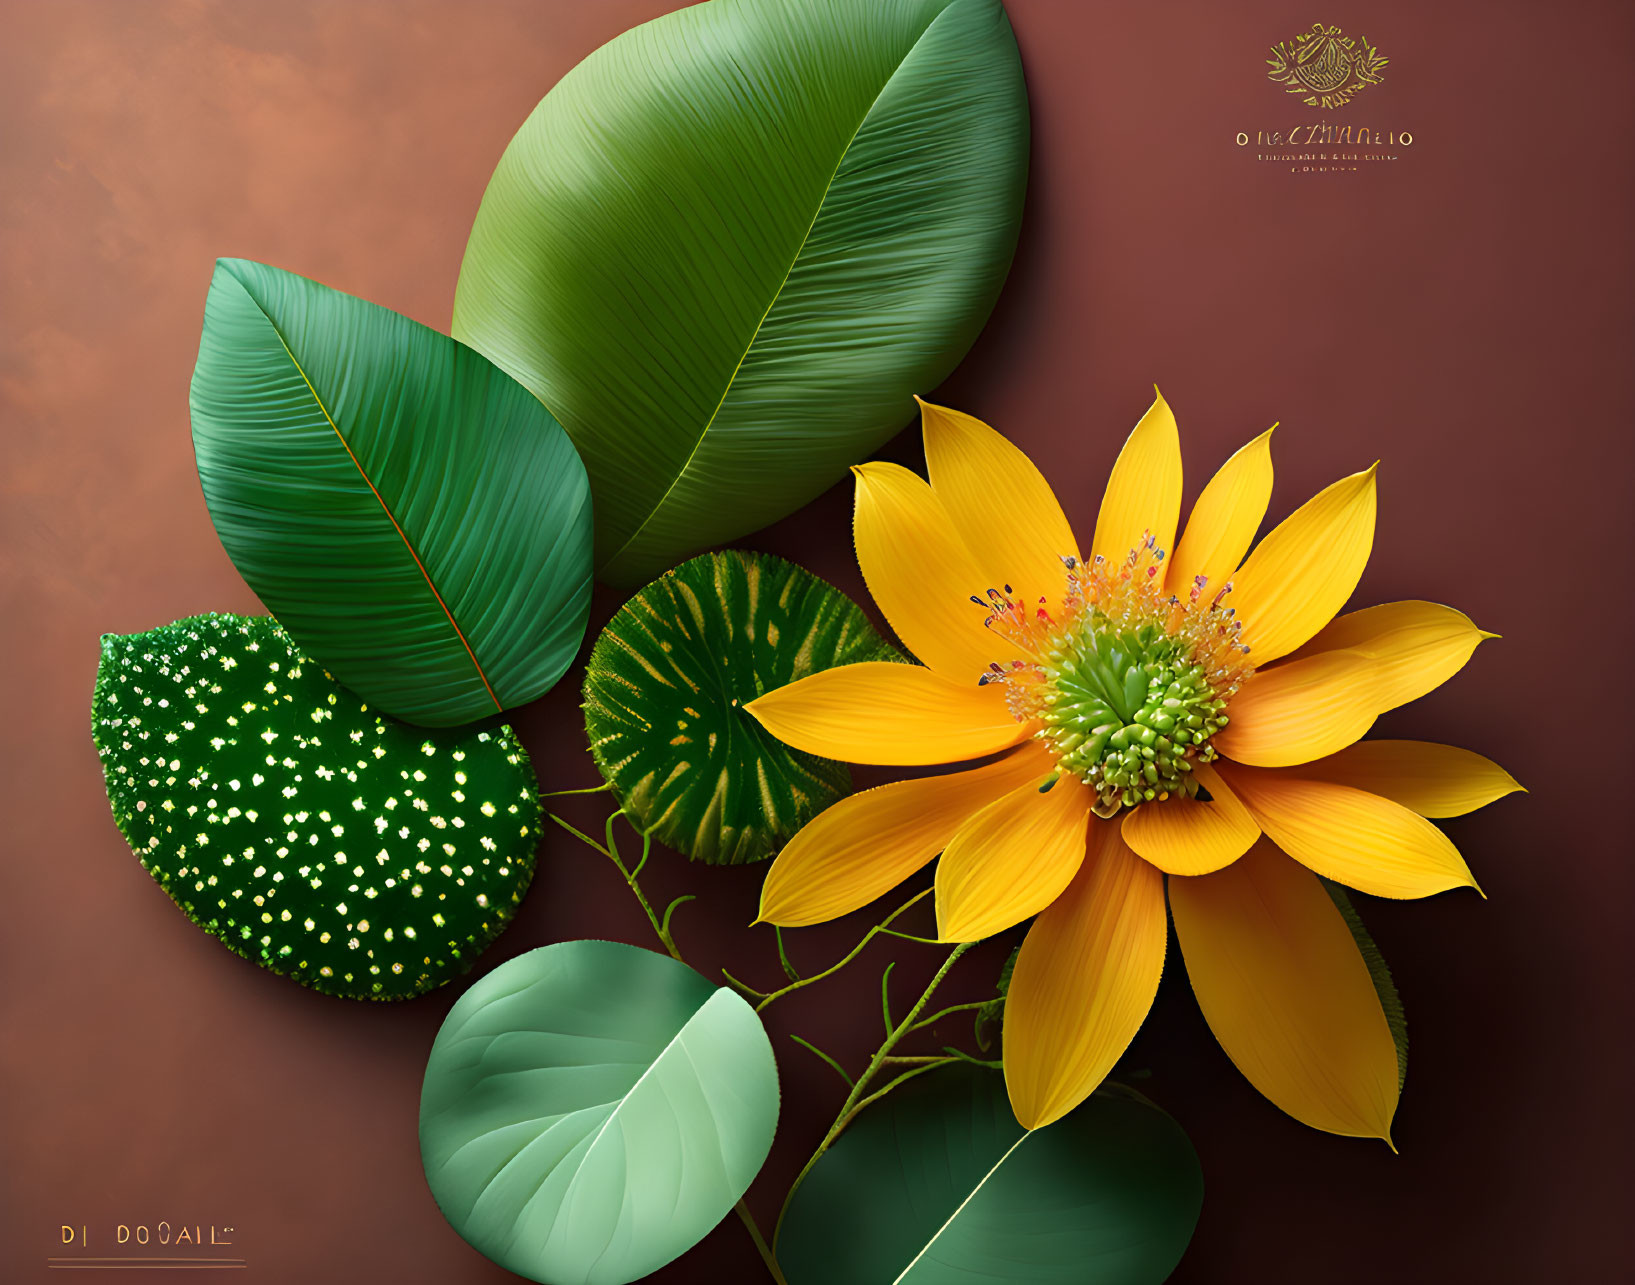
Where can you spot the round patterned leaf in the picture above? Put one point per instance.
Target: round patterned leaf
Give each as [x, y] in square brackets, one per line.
[359, 855]
[592, 1110]
[939, 1185]
[665, 691]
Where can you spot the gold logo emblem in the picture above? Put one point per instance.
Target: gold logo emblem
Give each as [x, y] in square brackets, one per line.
[1326, 67]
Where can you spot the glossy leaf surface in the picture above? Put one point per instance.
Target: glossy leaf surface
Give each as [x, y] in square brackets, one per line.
[415, 519]
[939, 1185]
[591, 1110]
[665, 692]
[356, 854]
[728, 247]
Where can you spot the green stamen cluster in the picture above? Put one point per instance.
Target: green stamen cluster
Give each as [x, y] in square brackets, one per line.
[1126, 711]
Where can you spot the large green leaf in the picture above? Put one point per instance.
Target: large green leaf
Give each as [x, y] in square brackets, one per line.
[728, 246]
[938, 1185]
[358, 855]
[411, 515]
[665, 692]
[591, 1110]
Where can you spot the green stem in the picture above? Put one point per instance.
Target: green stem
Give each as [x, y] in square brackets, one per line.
[661, 927]
[742, 1210]
[949, 1012]
[924, 941]
[839, 1070]
[960, 1055]
[856, 1100]
[881, 927]
[874, 1097]
[589, 789]
[783, 956]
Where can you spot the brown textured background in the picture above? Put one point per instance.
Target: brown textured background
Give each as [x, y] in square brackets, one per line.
[1463, 313]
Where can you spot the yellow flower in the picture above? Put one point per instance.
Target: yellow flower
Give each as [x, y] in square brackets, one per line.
[1195, 715]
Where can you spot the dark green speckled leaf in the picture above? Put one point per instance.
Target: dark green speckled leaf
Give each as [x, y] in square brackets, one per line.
[665, 691]
[354, 853]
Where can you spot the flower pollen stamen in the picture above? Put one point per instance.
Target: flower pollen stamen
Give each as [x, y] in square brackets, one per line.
[1131, 682]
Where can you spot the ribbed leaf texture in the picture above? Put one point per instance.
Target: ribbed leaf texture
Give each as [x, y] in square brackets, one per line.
[665, 692]
[356, 854]
[938, 1185]
[414, 518]
[591, 1110]
[729, 246]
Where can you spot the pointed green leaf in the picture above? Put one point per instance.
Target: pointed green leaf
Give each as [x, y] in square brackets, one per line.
[665, 692]
[1396, 1017]
[729, 246]
[415, 519]
[354, 853]
[591, 1110]
[938, 1185]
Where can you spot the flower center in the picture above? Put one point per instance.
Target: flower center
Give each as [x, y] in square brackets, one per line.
[1128, 682]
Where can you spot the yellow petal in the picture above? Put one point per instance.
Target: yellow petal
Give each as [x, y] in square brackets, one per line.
[921, 574]
[1084, 980]
[1183, 836]
[1283, 986]
[867, 844]
[1224, 520]
[1144, 492]
[1305, 568]
[1000, 504]
[880, 712]
[1418, 646]
[1301, 710]
[1348, 835]
[1011, 860]
[1430, 779]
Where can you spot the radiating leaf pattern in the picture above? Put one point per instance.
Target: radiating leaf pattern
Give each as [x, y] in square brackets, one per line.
[590, 1110]
[349, 851]
[665, 691]
[939, 1185]
[728, 247]
[414, 518]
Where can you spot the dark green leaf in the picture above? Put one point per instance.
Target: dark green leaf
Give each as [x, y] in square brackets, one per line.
[358, 855]
[728, 247]
[1396, 1016]
[938, 1185]
[665, 691]
[591, 1110]
[415, 519]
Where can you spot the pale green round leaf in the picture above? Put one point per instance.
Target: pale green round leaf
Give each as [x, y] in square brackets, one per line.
[415, 519]
[356, 854]
[728, 247]
[938, 1185]
[665, 692]
[592, 1110]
